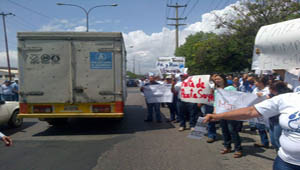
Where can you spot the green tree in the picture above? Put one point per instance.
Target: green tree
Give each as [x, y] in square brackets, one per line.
[251, 17]
[190, 49]
[131, 75]
[232, 51]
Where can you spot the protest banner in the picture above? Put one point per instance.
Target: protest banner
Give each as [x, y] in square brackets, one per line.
[200, 129]
[277, 46]
[231, 100]
[158, 93]
[170, 65]
[196, 89]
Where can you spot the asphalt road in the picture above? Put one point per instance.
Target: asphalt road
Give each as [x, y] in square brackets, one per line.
[131, 144]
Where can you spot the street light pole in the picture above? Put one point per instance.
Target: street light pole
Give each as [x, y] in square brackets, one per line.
[87, 12]
[6, 44]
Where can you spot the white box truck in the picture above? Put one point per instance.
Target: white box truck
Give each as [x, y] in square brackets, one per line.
[71, 75]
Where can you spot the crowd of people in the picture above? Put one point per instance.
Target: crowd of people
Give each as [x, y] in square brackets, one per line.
[9, 90]
[281, 108]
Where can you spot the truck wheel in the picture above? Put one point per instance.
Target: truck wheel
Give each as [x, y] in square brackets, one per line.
[15, 122]
[57, 121]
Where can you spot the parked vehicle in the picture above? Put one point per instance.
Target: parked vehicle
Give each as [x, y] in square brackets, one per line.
[8, 113]
[71, 74]
[132, 83]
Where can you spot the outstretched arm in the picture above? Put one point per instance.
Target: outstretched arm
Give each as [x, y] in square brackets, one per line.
[6, 139]
[239, 114]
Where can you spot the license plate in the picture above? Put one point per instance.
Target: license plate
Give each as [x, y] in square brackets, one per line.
[71, 108]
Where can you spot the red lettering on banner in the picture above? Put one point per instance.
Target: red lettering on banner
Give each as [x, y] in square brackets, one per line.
[192, 90]
[225, 105]
[210, 97]
[183, 95]
[200, 84]
[191, 94]
[190, 82]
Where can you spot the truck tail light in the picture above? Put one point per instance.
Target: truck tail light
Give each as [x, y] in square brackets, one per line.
[101, 108]
[119, 107]
[42, 109]
[23, 108]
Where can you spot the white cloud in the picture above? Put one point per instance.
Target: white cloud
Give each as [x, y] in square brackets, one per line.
[145, 48]
[13, 59]
[163, 43]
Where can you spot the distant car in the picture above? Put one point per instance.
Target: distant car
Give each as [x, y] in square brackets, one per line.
[8, 113]
[132, 83]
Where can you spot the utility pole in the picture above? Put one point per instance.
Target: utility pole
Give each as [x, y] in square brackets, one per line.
[6, 44]
[134, 64]
[177, 20]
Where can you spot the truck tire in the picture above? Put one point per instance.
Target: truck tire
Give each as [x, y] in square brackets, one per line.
[57, 121]
[15, 122]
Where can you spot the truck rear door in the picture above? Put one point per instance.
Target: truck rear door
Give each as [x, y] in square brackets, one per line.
[94, 77]
[45, 71]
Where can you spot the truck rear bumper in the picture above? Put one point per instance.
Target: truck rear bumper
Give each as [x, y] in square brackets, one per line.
[72, 115]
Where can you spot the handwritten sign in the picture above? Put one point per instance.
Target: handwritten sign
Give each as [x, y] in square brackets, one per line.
[158, 93]
[277, 46]
[170, 65]
[231, 100]
[196, 89]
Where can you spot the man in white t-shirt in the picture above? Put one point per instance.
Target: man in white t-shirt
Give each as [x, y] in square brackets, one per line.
[285, 105]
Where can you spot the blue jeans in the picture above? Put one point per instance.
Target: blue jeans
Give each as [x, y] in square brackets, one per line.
[263, 134]
[279, 164]
[173, 109]
[7, 97]
[275, 132]
[211, 126]
[191, 108]
[156, 107]
[230, 134]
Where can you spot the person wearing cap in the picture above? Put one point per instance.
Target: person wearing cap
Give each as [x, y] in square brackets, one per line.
[15, 90]
[184, 107]
[6, 139]
[7, 91]
[151, 106]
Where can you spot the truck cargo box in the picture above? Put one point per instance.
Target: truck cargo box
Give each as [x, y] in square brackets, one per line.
[69, 74]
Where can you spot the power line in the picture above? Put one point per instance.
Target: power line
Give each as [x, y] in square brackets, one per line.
[23, 23]
[6, 44]
[28, 9]
[177, 20]
[195, 4]
[167, 11]
[187, 4]
[15, 24]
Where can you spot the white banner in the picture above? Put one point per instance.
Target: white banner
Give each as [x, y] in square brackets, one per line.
[277, 46]
[231, 100]
[196, 89]
[158, 93]
[200, 129]
[170, 65]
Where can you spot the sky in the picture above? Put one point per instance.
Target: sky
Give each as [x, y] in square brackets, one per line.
[142, 22]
